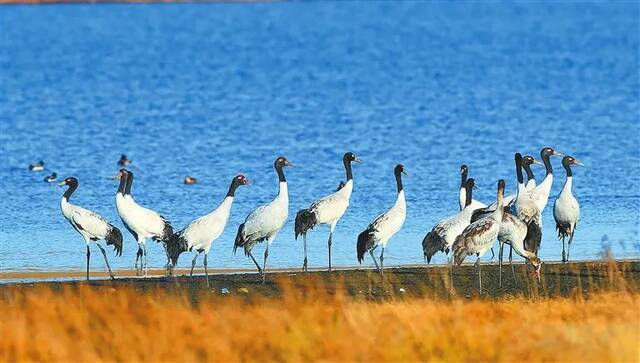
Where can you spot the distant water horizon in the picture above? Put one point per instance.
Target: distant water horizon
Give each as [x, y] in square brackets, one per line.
[216, 90]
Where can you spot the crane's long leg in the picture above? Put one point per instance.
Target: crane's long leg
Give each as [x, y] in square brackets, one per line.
[193, 264]
[104, 254]
[500, 263]
[382, 261]
[88, 257]
[569, 245]
[563, 255]
[450, 263]
[146, 260]
[329, 244]
[264, 265]
[256, 262]
[304, 241]
[479, 273]
[139, 257]
[206, 272]
[492, 254]
[513, 271]
[374, 259]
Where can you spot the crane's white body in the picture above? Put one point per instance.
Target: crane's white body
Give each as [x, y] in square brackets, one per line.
[201, 233]
[90, 225]
[389, 223]
[145, 222]
[266, 221]
[328, 210]
[542, 191]
[566, 209]
[450, 227]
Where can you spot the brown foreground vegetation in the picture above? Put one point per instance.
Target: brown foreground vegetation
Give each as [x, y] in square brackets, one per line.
[310, 322]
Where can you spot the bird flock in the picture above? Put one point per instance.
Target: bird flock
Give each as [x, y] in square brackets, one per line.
[514, 220]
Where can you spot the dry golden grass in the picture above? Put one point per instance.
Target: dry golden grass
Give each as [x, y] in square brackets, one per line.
[84, 324]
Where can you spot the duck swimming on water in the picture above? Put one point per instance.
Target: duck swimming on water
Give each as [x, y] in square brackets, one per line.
[51, 178]
[189, 180]
[39, 166]
[124, 161]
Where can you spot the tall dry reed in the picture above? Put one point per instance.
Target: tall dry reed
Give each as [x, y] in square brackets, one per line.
[84, 324]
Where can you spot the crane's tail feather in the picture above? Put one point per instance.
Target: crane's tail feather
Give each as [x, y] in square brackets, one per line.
[305, 221]
[240, 241]
[176, 244]
[533, 238]
[564, 230]
[459, 250]
[480, 213]
[366, 240]
[114, 237]
[431, 244]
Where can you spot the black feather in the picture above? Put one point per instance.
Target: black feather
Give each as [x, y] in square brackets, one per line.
[431, 244]
[533, 238]
[114, 237]
[239, 240]
[564, 230]
[365, 243]
[176, 244]
[305, 221]
[480, 213]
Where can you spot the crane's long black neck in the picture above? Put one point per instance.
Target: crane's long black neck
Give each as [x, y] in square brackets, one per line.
[348, 170]
[68, 192]
[232, 188]
[567, 168]
[469, 196]
[519, 170]
[280, 172]
[127, 190]
[527, 169]
[123, 184]
[547, 163]
[399, 180]
[463, 179]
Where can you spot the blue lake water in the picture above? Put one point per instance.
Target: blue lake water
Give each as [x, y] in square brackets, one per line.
[219, 89]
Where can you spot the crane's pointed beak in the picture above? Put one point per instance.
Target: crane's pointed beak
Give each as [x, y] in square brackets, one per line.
[290, 164]
[62, 184]
[357, 160]
[557, 153]
[578, 162]
[537, 162]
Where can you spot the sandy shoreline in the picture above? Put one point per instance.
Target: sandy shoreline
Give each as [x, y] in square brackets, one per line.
[558, 279]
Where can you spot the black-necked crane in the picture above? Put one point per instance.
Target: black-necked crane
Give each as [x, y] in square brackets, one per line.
[566, 210]
[264, 222]
[444, 233]
[479, 236]
[527, 210]
[385, 225]
[527, 161]
[327, 210]
[199, 235]
[90, 225]
[543, 189]
[512, 232]
[143, 223]
[462, 198]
